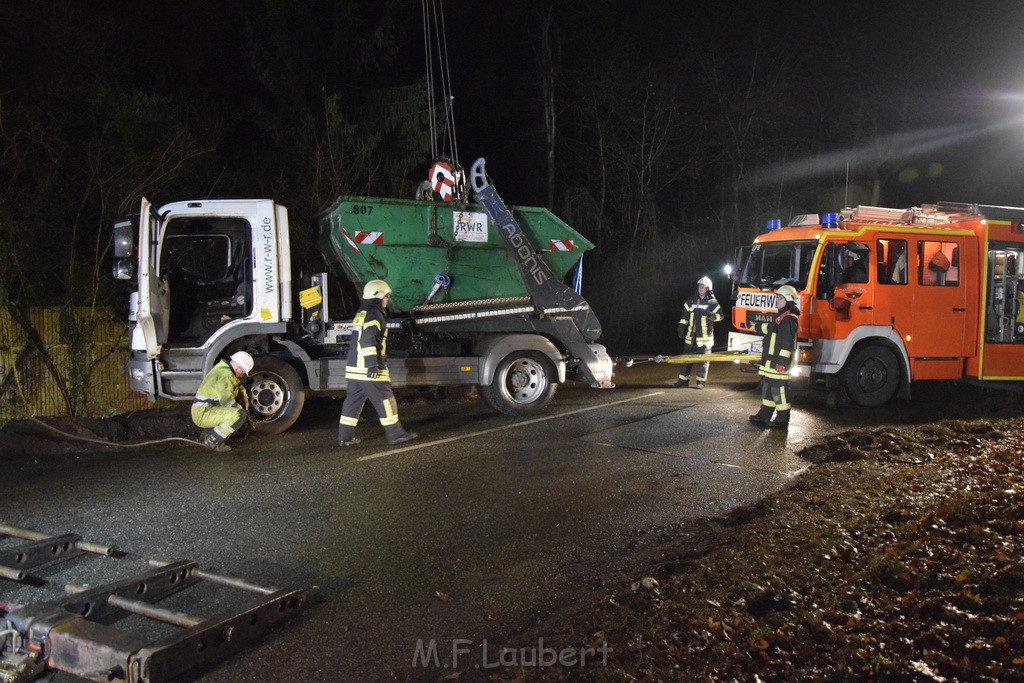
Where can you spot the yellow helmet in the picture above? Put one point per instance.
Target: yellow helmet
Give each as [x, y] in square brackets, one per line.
[376, 289]
[789, 293]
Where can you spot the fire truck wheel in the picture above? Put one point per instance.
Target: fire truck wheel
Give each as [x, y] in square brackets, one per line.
[871, 376]
[522, 384]
[276, 395]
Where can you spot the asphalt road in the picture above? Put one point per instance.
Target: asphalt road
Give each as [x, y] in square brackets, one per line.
[483, 529]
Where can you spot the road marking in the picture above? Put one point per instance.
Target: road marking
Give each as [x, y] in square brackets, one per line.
[535, 420]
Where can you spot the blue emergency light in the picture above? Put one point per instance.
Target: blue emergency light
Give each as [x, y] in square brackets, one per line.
[830, 220]
[774, 224]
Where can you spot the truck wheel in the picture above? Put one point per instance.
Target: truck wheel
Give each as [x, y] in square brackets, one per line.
[521, 385]
[871, 376]
[276, 395]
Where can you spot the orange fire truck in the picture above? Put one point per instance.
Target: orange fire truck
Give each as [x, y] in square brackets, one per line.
[892, 296]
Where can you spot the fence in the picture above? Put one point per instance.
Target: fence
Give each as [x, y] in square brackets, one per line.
[87, 351]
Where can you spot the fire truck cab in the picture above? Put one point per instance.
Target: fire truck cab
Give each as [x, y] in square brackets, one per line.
[892, 296]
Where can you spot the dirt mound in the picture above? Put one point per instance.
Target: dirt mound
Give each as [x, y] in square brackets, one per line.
[46, 435]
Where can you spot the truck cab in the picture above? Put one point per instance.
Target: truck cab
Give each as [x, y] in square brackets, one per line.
[197, 291]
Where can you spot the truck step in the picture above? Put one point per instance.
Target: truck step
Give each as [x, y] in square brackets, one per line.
[127, 628]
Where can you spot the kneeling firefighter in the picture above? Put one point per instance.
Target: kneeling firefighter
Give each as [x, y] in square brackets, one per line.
[221, 402]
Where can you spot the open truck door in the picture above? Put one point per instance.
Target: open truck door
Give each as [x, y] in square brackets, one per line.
[154, 294]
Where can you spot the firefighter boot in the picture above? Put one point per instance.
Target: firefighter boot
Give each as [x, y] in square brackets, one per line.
[347, 436]
[212, 441]
[762, 418]
[397, 434]
[781, 420]
[682, 383]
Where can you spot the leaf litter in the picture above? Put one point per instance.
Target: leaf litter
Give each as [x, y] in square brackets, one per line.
[898, 555]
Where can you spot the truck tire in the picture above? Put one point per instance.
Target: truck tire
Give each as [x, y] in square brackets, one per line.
[523, 383]
[871, 376]
[276, 395]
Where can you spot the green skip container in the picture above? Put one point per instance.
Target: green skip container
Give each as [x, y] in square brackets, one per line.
[408, 243]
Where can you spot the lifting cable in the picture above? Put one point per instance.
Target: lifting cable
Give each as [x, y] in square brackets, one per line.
[434, 38]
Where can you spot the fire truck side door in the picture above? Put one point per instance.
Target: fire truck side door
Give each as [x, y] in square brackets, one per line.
[940, 299]
[852, 302]
[894, 299]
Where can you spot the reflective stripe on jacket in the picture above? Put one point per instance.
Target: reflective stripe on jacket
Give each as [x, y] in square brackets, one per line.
[220, 386]
[779, 346]
[369, 345]
[699, 318]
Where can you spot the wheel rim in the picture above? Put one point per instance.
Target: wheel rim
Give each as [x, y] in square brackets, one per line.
[873, 375]
[268, 395]
[525, 381]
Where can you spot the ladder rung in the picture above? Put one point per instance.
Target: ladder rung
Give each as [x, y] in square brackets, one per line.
[145, 609]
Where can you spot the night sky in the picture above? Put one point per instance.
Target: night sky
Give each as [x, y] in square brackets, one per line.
[680, 127]
[915, 67]
[942, 82]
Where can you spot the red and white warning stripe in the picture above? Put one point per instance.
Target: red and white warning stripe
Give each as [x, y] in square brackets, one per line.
[351, 243]
[363, 237]
[563, 245]
[442, 180]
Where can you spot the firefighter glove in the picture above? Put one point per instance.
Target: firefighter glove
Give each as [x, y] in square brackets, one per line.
[371, 373]
[681, 331]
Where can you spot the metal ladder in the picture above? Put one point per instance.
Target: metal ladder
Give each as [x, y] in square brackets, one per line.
[78, 633]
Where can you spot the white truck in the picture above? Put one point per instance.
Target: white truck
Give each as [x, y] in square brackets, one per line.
[479, 298]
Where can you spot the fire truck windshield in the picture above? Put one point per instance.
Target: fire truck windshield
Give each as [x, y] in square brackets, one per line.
[773, 264]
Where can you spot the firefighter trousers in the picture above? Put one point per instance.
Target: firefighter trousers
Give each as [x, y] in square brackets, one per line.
[383, 400]
[218, 422]
[774, 399]
[702, 368]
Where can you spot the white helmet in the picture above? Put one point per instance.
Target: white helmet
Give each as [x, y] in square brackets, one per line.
[376, 289]
[788, 292]
[706, 281]
[243, 360]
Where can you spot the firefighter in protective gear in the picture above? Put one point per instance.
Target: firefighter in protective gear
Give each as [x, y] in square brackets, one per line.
[855, 269]
[778, 354]
[697, 330]
[221, 403]
[367, 370]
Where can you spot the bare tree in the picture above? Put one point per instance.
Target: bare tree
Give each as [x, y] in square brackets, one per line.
[547, 68]
[747, 91]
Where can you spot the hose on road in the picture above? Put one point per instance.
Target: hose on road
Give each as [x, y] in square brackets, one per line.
[105, 442]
